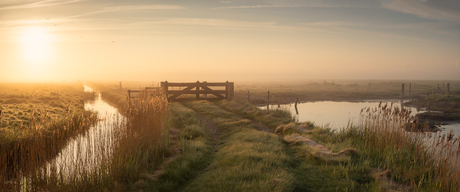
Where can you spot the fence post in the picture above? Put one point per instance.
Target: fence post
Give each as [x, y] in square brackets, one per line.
[166, 88]
[227, 89]
[197, 89]
[448, 88]
[296, 111]
[268, 101]
[428, 102]
[248, 96]
[402, 90]
[410, 89]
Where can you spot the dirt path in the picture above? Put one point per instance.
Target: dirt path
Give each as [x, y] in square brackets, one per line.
[212, 129]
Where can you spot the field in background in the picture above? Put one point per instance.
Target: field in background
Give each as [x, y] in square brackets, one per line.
[334, 90]
[19, 102]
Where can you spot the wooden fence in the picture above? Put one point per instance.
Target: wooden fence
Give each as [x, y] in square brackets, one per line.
[201, 90]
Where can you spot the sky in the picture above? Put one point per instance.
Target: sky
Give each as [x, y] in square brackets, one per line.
[234, 40]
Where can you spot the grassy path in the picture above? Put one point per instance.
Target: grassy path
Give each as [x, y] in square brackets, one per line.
[246, 159]
[222, 151]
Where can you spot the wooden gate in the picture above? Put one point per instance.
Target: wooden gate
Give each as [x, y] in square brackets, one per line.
[201, 90]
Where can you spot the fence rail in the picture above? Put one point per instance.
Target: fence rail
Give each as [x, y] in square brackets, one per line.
[201, 90]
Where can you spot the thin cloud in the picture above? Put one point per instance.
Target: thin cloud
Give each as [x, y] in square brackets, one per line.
[131, 8]
[424, 10]
[286, 6]
[44, 3]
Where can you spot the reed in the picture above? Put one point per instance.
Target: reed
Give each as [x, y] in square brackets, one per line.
[82, 154]
[391, 137]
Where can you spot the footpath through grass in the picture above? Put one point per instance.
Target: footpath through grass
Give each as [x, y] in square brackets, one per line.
[190, 151]
[246, 160]
[313, 171]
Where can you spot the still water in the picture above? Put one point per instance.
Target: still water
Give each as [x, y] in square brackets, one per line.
[92, 148]
[338, 115]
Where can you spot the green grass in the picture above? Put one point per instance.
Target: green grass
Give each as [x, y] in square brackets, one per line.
[272, 119]
[246, 160]
[311, 172]
[196, 146]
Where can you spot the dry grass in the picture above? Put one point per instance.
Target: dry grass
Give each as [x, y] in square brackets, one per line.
[111, 155]
[423, 160]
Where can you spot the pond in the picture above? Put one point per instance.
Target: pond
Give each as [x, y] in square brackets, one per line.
[337, 115]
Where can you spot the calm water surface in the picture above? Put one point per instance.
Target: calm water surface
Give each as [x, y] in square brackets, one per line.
[93, 146]
[337, 115]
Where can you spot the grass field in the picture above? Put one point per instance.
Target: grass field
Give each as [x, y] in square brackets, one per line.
[223, 146]
[42, 103]
[339, 90]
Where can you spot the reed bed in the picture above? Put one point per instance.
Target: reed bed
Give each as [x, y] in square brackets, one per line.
[82, 155]
[414, 156]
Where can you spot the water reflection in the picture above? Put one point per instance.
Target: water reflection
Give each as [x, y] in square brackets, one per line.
[90, 148]
[338, 115]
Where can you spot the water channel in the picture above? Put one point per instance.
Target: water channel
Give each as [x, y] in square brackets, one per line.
[85, 153]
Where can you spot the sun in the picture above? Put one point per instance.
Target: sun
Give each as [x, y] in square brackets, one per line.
[35, 43]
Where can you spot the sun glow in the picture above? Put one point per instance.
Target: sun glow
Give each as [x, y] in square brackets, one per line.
[36, 45]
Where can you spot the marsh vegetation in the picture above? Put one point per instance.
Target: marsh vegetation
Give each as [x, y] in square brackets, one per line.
[153, 145]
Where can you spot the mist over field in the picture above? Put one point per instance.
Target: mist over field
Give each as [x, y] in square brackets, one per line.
[256, 40]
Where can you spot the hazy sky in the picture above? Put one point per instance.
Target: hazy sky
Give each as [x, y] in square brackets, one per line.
[185, 40]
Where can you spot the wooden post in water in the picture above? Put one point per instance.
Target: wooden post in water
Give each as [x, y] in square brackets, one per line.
[428, 102]
[402, 90]
[268, 101]
[296, 111]
[448, 88]
[410, 89]
[197, 89]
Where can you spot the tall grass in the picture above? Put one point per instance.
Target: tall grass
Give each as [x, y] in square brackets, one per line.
[392, 138]
[111, 155]
[44, 140]
[139, 144]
